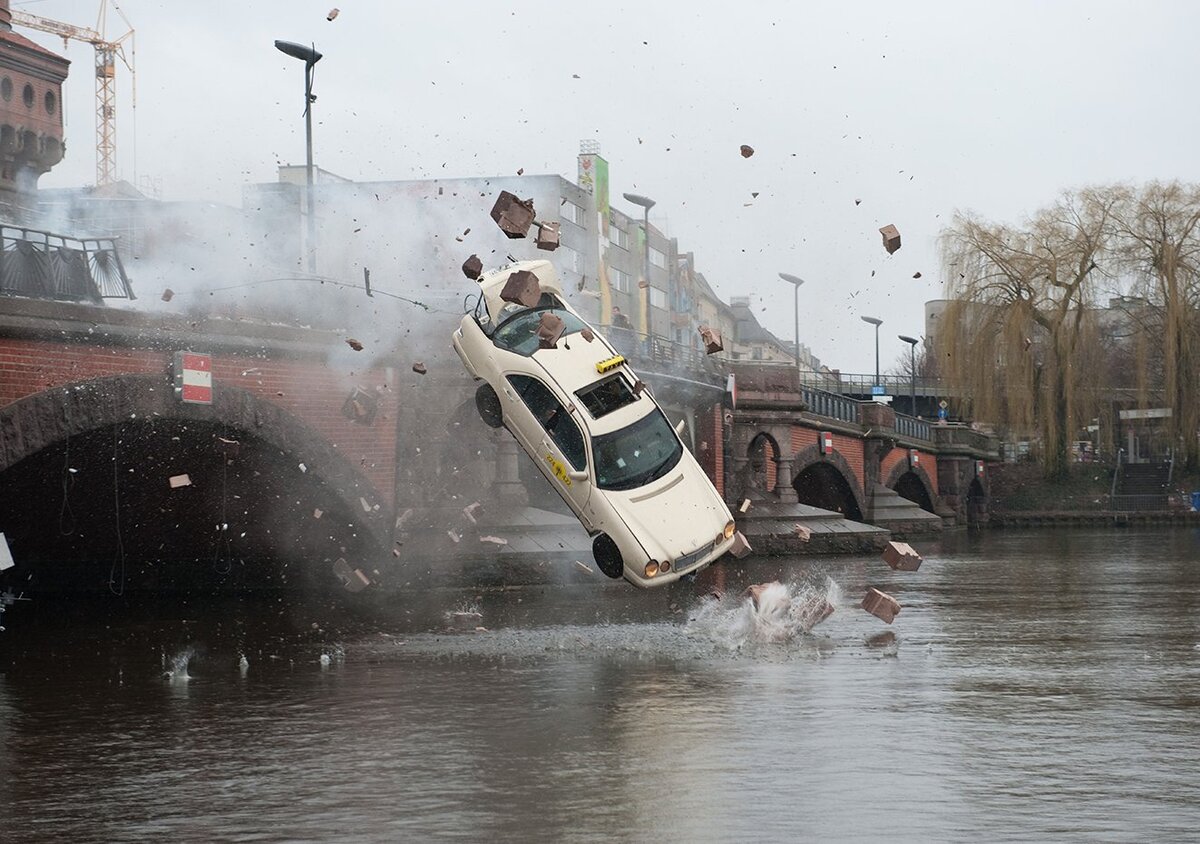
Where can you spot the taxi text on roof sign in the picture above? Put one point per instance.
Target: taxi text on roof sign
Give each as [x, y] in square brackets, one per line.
[193, 377]
[612, 363]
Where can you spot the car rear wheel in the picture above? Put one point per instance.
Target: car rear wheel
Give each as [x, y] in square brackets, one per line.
[488, 404]
[608, 556]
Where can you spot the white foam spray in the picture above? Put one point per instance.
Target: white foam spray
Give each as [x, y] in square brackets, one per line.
[775, 613]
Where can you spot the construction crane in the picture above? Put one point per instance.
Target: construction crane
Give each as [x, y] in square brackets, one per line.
[107, 53]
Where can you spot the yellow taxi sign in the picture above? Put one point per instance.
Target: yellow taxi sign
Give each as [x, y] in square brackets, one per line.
[612, 363]
[560, 471]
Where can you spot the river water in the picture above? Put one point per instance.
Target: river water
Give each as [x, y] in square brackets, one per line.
[1040, 685]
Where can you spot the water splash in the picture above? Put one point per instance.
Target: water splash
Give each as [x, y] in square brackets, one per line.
[767, 613]
[176, 668]
[243, 665]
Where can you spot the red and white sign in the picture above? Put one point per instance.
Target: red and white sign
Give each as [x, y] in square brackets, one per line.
[193, 378]
[826, 439]
[979, 468]
[914, 458]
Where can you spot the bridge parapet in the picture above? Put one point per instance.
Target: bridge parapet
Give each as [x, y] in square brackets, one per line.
[962, 439]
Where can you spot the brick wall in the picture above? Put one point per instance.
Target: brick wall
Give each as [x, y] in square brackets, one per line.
[850, 448]
[927, 461]
[710, 430]
[309, 390]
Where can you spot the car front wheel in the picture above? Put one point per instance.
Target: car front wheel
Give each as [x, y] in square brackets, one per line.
[488, 404]
[608, 556]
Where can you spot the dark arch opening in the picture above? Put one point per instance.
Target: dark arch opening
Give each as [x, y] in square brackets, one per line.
[46, 434]
[909, 486]
[822, 485]
[246, 520]
[976, 503]
[763, 453]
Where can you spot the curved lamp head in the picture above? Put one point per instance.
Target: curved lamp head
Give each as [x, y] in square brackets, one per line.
[873, 320]
[637, 199]
[308, 55]
[912, 341]
[792, 279]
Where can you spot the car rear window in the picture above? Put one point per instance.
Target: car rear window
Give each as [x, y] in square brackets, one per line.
[603, 397]
[518, 333]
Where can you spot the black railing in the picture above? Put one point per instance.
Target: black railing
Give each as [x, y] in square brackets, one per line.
[913, 428]
[658, 354]
[822, 403]
[43, 265]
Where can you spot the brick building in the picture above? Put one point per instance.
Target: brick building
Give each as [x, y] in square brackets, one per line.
[31, 123]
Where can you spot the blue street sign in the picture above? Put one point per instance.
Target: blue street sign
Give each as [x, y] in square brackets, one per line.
[878, 390]
[942, 413]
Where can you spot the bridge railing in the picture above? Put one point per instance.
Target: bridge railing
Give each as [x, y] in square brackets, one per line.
[861, 383]
[658, 354]
[823, 403]
[913, 428]
[43, 265]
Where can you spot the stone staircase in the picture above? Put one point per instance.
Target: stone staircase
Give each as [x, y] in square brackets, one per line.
[890, 510]
[1143, 486]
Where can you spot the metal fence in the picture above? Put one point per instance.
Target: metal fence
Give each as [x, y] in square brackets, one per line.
[913, 428]
[43, 265]
[822, 403]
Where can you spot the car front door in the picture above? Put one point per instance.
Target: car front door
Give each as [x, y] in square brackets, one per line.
[553, 437]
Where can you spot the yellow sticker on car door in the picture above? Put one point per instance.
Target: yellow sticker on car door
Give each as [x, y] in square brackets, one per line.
[560, 471]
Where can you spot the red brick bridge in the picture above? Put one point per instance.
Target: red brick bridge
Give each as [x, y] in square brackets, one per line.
[300, 458]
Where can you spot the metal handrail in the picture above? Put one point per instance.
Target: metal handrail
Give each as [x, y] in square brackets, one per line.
[912, 427]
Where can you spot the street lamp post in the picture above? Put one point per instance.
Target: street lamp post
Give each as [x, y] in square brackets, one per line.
[310, 57]
[875, 322]
[796, 281]
[912, 371]
[646, 203]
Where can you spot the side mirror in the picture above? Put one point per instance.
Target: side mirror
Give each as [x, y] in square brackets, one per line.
[577, 475]
[680, 426]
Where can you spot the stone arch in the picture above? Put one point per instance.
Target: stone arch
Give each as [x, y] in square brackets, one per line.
[828, 478]
[912, 482]
[977, 502]
[42, 419]
[763, 454]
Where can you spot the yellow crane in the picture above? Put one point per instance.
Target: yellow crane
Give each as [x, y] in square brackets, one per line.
[107, 52]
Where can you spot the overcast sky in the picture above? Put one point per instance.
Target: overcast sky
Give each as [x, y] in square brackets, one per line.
[917, 109]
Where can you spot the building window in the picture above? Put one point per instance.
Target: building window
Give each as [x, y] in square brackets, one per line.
[618, 237]
[657, 258]
[620, 280]
[6, 89]
[568, 258]
[571, 212]
[51, 102]
[27, 95]
[658, 298]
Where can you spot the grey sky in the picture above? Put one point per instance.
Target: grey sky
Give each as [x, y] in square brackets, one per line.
[917, 109]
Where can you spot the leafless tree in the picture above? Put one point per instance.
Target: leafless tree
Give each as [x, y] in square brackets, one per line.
[1156, 235]
[1019, 336]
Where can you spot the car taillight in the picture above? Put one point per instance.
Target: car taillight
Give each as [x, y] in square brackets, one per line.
[729, 529]
[651, 568]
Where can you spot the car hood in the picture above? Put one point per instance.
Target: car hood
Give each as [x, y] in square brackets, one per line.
[675, 514]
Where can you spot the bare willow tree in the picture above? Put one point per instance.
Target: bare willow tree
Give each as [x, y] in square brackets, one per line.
[1156, 234]
[1019, 335]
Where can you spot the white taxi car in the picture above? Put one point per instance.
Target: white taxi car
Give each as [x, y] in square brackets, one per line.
[606, 447]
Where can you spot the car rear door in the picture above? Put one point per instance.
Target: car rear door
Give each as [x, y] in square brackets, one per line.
[553, 438]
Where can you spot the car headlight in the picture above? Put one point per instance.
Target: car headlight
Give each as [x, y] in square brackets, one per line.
[729, 529]
[665, 566]
[651, 568]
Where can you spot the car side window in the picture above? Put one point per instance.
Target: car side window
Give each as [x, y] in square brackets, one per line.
[552, 416]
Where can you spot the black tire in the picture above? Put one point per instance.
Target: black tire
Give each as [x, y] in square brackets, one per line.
[488, 404]
[608, 556]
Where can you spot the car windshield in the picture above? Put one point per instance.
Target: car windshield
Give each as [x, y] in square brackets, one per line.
[518, 333]
[637, 454]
